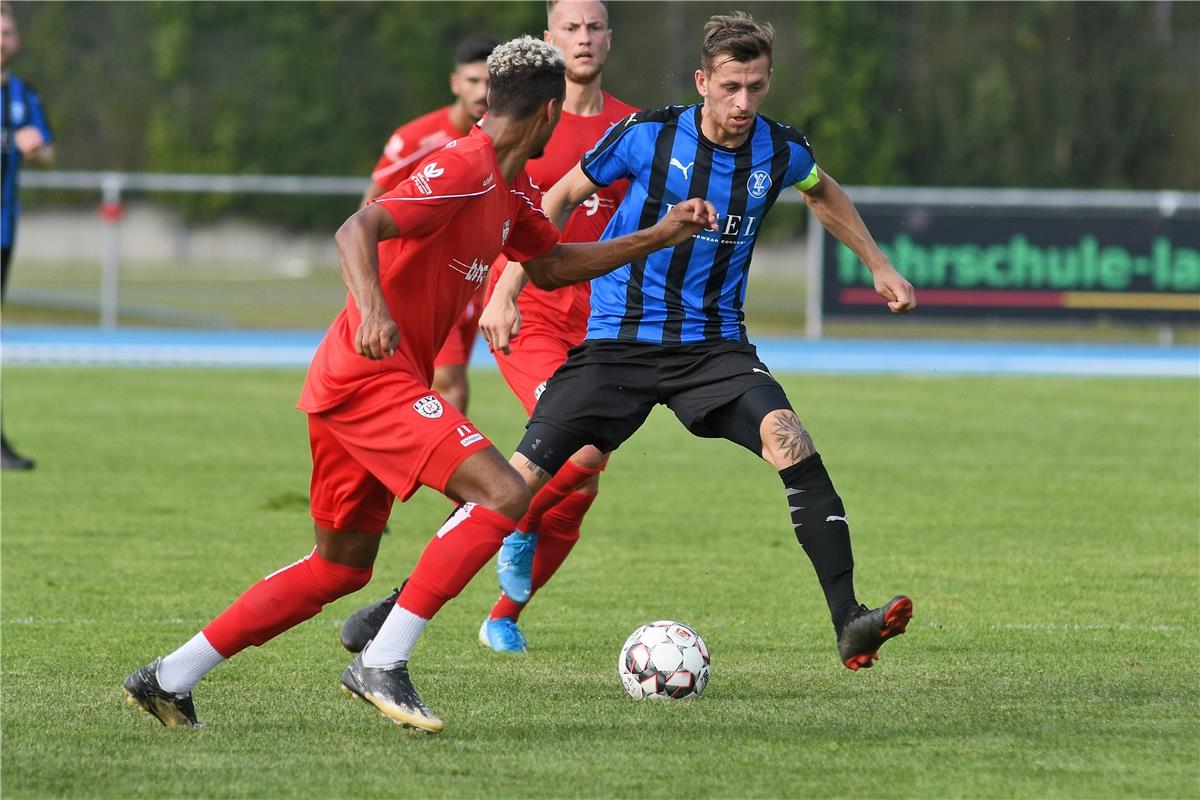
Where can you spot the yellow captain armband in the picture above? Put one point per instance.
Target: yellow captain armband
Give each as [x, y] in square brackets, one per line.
[813, 178]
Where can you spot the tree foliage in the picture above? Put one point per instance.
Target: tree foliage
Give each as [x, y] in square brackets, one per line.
[952, 94]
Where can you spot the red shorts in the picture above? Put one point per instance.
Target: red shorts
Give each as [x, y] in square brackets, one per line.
[383, 442]
[456, 350]
[537, 352]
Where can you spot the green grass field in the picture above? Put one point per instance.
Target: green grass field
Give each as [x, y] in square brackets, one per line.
[1047, 530]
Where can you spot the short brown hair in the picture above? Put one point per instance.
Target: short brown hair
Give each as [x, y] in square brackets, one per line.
[736, 35]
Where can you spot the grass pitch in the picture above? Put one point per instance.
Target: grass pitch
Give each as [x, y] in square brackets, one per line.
[1046, 529]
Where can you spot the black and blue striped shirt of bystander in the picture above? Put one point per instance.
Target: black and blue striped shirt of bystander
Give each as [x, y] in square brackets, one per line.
[692, 292]
[21, 106]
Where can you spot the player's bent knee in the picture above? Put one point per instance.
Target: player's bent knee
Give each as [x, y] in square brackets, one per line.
[589, 457]
[341, 581]
[509, 496]
[348, 548]
[488, 480]
[785, 440]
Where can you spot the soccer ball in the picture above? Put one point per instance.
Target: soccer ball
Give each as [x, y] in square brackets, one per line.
[664, 660]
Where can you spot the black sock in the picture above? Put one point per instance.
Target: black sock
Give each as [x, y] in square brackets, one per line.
[819, 519]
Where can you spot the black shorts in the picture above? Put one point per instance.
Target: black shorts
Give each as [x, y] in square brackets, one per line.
[5, 252]
[605, 389]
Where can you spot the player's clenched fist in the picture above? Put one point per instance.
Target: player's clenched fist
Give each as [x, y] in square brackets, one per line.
[899, 293]
[28, 139]
[377, 336]
[686, 219]
[500, 322]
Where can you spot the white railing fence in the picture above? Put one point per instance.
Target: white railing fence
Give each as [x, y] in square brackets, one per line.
[114, 187]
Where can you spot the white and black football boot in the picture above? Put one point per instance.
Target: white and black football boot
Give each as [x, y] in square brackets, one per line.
[390, 690]
[142, 690]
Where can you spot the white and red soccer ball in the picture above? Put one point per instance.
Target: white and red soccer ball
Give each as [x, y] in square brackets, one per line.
[664, 660]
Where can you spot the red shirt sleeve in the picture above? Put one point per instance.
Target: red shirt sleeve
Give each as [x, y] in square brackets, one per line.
[388, 169]
[409, 144]
[533, 234]
[429, 198]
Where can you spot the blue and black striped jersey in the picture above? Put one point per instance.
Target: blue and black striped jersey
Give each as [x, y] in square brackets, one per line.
[21, 106]
[692, 292]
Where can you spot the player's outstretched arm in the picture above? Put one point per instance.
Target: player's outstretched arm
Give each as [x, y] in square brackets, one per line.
[837, 213]
[501, 320]
[358, 253]
[575, 263]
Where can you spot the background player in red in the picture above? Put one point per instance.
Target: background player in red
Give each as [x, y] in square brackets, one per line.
[554, 322]
[551, 323]
[408, 145]
[411, 261]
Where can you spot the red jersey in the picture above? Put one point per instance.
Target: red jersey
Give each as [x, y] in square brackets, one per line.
[573, 137]
[410, 143]
[455, 215]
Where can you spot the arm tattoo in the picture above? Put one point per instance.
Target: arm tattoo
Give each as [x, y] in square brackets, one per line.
[791, 438]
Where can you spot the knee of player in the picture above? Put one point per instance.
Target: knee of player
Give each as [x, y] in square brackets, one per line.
[589, 457]
[508, 495]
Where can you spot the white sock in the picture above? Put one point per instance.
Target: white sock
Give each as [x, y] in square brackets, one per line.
[395, 640]
[184, 668]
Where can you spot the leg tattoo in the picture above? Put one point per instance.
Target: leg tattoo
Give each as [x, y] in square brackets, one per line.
[792, 439]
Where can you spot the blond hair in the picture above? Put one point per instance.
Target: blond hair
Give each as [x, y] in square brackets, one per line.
[524, 53]
[550, 4]
[524, 73]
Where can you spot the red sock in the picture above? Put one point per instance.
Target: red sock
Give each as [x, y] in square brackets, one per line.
[562, 484]
[282, 600]
[468, 540]
[556, 537]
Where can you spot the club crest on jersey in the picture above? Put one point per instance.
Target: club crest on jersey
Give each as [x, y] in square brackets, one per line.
[505, 230]
[428, 173]
[429, 407]
[758, 184]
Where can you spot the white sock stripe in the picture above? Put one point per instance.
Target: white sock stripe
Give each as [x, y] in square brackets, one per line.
[460, 514]
[289, 566]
